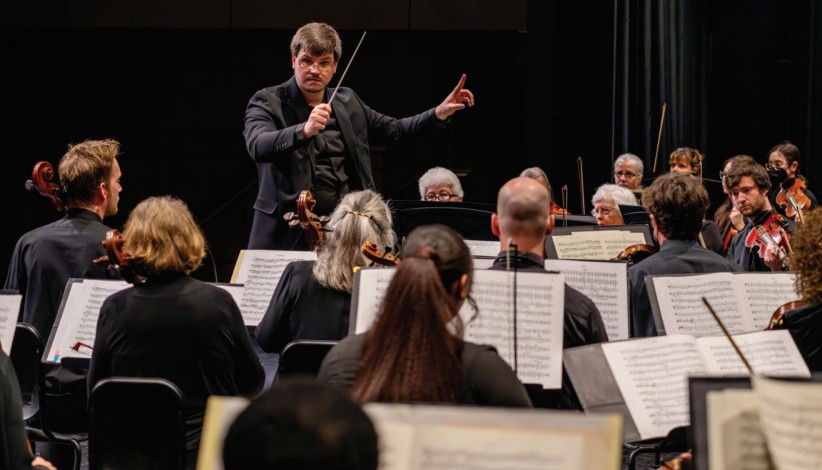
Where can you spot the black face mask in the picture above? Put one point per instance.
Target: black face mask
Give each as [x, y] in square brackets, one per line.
[777, 175]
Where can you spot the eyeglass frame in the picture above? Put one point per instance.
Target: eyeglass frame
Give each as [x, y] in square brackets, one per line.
[307, 64]
[625, 174]
[440, 197]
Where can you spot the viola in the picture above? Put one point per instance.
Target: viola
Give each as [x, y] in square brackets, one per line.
[557, 210]
[635, 253]
[313, 225]
[126, 264]
[382, 257]
[794, 200]
[41, 181]
[776, 318]
[771, 231]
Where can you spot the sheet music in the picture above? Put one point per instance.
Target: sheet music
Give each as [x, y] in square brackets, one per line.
[652, 375]
[9, 311]
[450, 437]
[735, 438]
[606, 284]
[371, 285]
[743, 301]
[772, 353]
[483, 248]
[74, 334]
[259, 271]
[595, 244]
[791, 418]
[236, 290]
[540, 305]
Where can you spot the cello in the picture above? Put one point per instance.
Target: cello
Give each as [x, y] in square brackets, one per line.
[41, 182]
[313, 225]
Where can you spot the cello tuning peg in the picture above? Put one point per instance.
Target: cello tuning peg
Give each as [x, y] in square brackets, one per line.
[289, 216]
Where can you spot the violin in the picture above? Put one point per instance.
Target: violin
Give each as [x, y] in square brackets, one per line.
[776, 318]
[126, 264]
[771, 231]
[794, 200]
[382, 257]
[41, 181]
[313, 225]
[635, 253]
[557, 210]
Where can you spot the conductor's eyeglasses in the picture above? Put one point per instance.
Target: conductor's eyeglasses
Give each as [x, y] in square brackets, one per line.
[443, 196]
[323, 66]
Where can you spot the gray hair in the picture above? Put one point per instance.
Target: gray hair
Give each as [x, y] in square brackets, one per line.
[359, 217]
[440, 175]
[616, 193]
[633, 159]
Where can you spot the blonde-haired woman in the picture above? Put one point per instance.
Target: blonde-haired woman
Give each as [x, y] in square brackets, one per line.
[313, 298]
[173, 326]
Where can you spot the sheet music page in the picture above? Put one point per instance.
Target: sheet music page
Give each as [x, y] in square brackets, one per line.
[763, 293]
[452, 437]
[682, 309]
[482, 263]
[74, 336]
[483, 248]
[540, 305]
[371, 288]
[791, 417]
[9, 311]
[259, 271]
[735, 438]
[236, 290]
[220, 413]
[606, 284]
[599, 244]
[768, 352]
[652, 375]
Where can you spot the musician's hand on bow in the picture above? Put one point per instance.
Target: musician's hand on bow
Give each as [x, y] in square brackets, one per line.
[455, 101]
[771, 258]
[317, 120]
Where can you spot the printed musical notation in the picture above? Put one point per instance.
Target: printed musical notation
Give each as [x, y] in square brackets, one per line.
[9, 311]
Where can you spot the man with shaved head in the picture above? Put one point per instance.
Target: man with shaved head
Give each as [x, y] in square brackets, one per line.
[522, 223]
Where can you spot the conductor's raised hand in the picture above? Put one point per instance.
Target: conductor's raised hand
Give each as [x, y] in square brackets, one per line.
[317, 120]
[455, 101]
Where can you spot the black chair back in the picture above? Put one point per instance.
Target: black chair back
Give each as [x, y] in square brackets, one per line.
[136, 423]
[303, 357]
[26, 351]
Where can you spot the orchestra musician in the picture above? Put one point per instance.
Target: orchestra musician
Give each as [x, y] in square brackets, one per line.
[727, 217]
[686, 160]
[606, 201]
[45, 258]
[628, 169]
[749, 185]
[805, 322]
[415, 351]
[677, 204]
[313, 298]
[173, 326]
[300, 141]
[440, 185]
[536, 173]
[783, 169]
[522, 218]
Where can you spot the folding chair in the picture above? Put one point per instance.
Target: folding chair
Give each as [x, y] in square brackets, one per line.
[136, 423]
[303, 357]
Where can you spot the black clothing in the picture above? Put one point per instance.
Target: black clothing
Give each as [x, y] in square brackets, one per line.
[45, 258]
[180, 329]
[805, 325]
[488, 379]
[674, 257]
[711, 236]
[744, 256]
[286, 164]
[302, 309]
[15, 454]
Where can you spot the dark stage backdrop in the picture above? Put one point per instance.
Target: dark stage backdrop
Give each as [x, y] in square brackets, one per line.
[171, 80]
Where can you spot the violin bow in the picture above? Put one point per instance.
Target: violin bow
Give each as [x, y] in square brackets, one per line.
[728, 335]
[564, 192]
[350, 61]
[581, 184]
[659, 136]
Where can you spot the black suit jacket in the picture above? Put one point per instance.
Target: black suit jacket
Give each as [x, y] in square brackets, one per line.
[285, 160]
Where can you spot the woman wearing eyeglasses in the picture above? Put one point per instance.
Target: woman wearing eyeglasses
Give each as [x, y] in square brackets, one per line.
[440, 185]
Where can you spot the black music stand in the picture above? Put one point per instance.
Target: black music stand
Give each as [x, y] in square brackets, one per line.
[471, 219]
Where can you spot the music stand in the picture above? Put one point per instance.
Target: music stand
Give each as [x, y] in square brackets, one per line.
[471, 219]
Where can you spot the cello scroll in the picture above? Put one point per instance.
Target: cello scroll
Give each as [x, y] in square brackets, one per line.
[313, 225]
[41, 181]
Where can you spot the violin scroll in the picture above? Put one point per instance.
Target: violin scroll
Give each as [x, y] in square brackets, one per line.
[635, 253]
[41, 181]
[382, 257]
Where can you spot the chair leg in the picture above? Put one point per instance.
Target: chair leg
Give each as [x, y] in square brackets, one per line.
[78, 454]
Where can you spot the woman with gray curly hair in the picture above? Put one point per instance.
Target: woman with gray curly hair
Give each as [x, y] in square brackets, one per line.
[313, 298]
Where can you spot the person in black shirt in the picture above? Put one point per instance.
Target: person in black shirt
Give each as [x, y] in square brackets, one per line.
[783, 169]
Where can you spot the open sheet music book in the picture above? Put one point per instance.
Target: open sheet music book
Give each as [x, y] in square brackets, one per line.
[606, 284]
[744, 301]
[75, 327]
[475, 438]
[540, 305]
[652, 373]
[259, 272]
[9, 311]
[602, 243]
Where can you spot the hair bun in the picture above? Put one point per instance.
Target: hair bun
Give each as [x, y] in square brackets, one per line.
[426, 252]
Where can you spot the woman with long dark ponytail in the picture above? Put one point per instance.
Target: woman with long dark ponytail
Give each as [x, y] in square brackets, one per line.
[414, 352]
